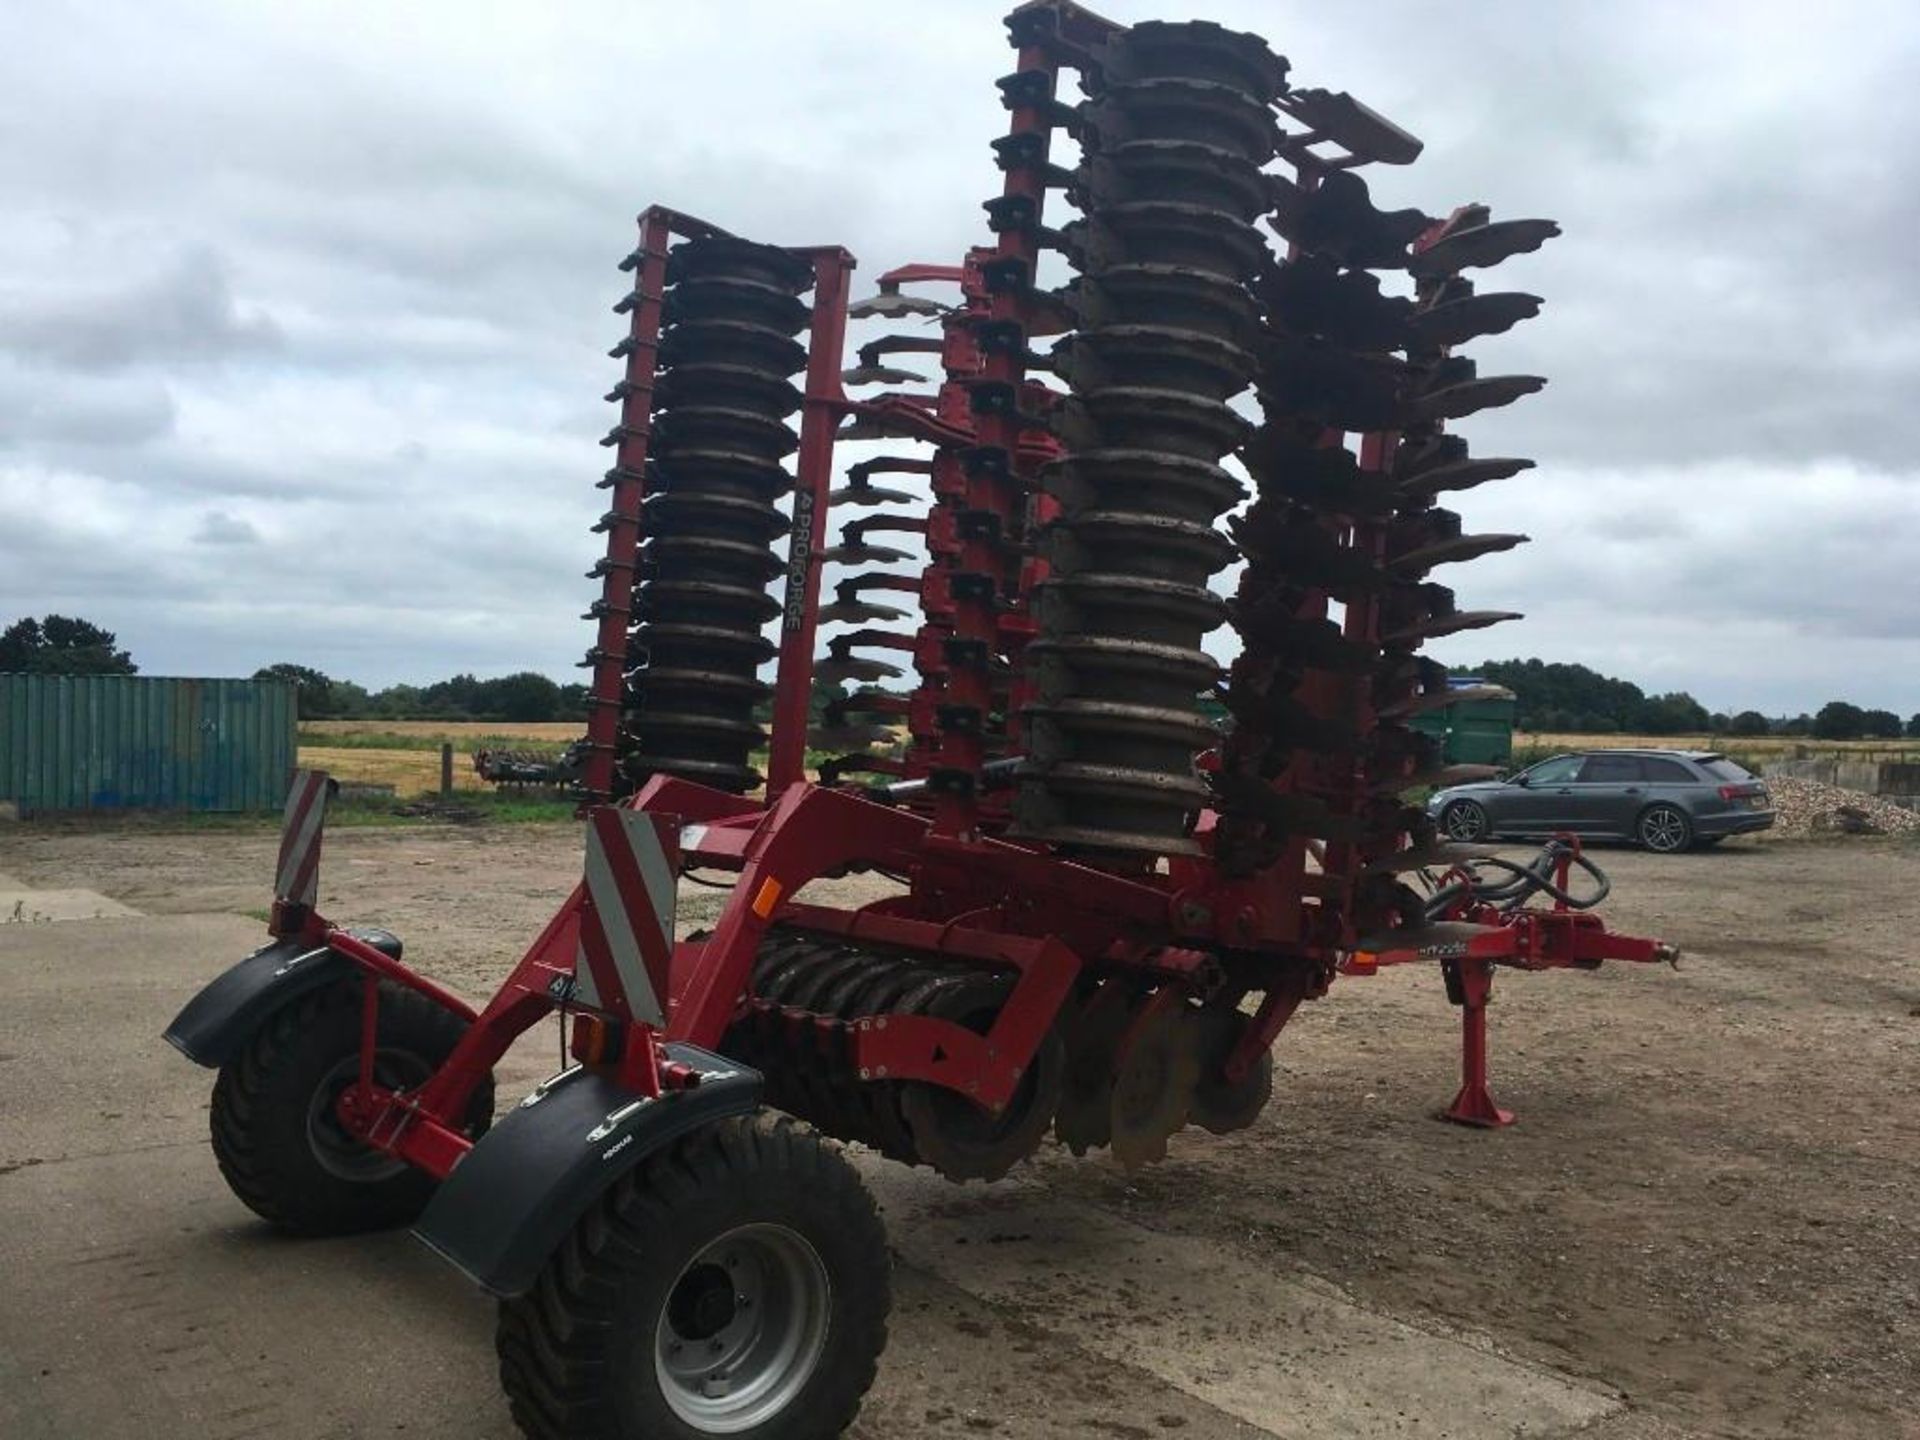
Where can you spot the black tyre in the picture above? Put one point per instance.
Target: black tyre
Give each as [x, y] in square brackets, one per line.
[279, 1143]
[736, 1283]
[1464, 820]
[1664, 829]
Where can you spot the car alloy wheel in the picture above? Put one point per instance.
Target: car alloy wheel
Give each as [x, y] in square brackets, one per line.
[1665, 830]
[1464, 820]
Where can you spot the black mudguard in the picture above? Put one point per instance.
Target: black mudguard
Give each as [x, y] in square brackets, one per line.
[218, 1022]
[510, 1202]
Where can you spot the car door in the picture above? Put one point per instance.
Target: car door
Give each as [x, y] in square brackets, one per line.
[1541, 804]
[1607, 795]
[1673, 782]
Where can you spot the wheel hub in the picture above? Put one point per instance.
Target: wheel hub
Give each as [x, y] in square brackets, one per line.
[335, 1113]
[703, 1303]
[743, 1329]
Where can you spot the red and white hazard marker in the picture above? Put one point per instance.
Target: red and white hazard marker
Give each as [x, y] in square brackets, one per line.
[297, 879]
[626, 926]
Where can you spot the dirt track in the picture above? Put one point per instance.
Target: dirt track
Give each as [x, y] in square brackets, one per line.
[1711, 1207]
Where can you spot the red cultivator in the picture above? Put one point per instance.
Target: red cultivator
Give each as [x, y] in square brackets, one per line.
[1105, 908]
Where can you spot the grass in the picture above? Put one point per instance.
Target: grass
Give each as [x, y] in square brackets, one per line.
[354, 812]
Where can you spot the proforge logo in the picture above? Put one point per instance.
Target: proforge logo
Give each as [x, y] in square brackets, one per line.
[799, 560]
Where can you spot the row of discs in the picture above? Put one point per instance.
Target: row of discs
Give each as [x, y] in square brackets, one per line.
[722, 426]
[1174, 134]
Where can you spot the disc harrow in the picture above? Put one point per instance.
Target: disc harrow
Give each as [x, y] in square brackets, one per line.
[1105, 909]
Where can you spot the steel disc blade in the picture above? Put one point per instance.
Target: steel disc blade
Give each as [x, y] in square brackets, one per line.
[1153, 1085]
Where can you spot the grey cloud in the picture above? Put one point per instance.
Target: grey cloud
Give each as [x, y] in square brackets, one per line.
[183, 310]
[219, 528]
[40, 407]
[344, 273]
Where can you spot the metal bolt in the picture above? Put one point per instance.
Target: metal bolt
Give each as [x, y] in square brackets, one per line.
[881, 1023]
[881, 1072]
[865, 1074]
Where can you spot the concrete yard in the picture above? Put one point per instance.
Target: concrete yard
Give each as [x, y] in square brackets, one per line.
[1706, 1224]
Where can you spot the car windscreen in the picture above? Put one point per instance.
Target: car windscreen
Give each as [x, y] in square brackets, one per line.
[1722, 768]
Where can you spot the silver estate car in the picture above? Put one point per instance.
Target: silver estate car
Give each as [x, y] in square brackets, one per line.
[1666, 800]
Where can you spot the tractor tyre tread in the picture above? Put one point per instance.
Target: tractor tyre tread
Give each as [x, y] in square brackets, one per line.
[257, 1109]
[560, 1345]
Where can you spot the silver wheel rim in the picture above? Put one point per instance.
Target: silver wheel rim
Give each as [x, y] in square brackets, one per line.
[340, 1154]
[743, 1329]
[1464, 821]
[1663, 830]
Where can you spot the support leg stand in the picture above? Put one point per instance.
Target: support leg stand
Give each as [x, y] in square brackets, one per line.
[1474, 1104]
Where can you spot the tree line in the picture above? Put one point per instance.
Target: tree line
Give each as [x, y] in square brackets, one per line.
[65, 645]
[1553, 696]
[1557, 697]
[521, 697]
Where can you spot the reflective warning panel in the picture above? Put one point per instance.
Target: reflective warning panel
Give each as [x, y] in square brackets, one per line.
[626, 926]
[297, 878]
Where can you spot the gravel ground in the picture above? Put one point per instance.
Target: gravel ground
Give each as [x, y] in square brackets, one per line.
[1711, 1205]
[1807, 807]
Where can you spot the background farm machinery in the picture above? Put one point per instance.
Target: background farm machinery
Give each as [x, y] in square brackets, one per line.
[1107, 906]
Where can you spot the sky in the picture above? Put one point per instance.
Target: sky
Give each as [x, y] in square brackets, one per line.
[304, 307]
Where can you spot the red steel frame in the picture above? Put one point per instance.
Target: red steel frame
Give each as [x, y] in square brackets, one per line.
[974, 897]
[821, 407]
[613, 612]
[982, 901]
[942, 739]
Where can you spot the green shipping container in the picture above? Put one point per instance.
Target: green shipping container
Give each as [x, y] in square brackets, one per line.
[124, 742]
[1472, 732]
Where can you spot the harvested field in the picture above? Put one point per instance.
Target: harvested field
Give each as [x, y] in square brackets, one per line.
[460, 732]
[406, 753]
[1758, 747]
[410, 772]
